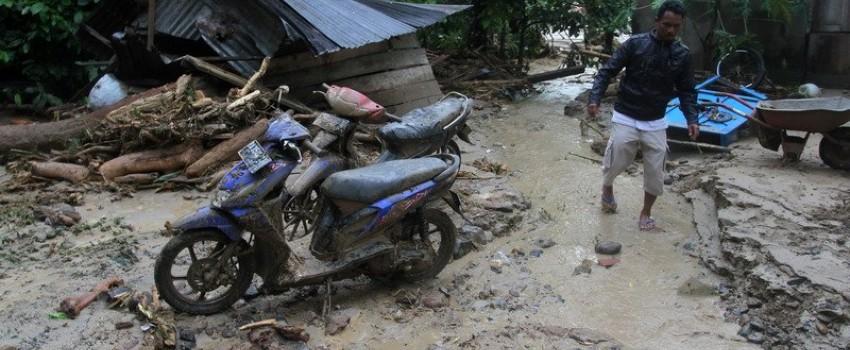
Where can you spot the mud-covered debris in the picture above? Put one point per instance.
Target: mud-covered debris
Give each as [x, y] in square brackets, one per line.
[72, 306]
[435, 300]
[123, 325]
[696, 287]
[585, 267]
[608, 262]
[608, 248]
[58, 214]
[485, 164]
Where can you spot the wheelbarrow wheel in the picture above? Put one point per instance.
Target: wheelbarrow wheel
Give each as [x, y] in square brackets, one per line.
[834, 154]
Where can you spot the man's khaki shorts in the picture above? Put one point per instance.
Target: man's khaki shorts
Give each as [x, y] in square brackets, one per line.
[622, 148]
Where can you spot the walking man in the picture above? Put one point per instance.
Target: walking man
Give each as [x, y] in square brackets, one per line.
[658, 67]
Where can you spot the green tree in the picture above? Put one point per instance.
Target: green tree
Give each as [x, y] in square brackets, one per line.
[38, 49]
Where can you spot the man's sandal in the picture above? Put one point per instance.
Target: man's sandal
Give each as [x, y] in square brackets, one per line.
[646, 224]
[609, 205]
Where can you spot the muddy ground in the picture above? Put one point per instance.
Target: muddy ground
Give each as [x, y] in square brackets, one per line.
[750, 251]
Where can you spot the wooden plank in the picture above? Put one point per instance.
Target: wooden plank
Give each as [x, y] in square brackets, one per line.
[306, 60]
[409, 41]
[411, 105]
[355, 67]
[406, 93]
[389, 80]
[296, 62]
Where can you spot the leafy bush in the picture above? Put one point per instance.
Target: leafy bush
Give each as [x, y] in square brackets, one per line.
[38, 50]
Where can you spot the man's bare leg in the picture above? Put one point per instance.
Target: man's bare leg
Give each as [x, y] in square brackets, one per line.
[646, 221]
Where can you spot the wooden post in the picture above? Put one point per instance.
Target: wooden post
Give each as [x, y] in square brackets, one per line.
[151, 23]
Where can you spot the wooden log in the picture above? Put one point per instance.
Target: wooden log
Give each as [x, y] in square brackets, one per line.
[161, 160]
[700, 146]
[136, 179]
[55, 170]
[58, 133]
[227, 149]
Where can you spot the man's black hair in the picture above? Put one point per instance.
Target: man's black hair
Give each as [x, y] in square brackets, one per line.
[674, 6]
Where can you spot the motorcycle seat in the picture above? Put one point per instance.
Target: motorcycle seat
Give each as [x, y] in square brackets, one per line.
[425, 122]
[374, 182]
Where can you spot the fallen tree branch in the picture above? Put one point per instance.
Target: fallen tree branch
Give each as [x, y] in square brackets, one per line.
[55, 170]
[162, 160]
[254, 78]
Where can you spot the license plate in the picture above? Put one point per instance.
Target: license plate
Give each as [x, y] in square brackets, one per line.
[254, 156]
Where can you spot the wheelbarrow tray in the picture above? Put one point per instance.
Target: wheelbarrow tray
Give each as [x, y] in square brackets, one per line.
[819, 115]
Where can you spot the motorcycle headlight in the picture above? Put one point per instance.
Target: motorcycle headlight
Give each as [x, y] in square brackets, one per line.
[220, 197]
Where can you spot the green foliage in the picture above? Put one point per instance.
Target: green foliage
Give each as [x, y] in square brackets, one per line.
[725, 41]
[512, 28]
[38, 48]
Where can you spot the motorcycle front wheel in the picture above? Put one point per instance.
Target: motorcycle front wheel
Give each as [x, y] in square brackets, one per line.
[203, 272]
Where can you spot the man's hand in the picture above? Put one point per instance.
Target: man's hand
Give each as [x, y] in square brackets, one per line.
[693, 131]
[592, 111]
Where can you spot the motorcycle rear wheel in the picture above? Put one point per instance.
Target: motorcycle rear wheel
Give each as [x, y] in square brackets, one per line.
[204, 273]
[437, 223]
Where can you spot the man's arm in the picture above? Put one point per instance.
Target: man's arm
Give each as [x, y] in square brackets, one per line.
[609, 70]
[685, 88]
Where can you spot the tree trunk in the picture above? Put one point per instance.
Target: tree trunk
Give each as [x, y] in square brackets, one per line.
[58, 133]
[55, 170]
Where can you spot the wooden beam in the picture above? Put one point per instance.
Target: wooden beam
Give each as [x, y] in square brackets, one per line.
[355, 67]
[151, 23]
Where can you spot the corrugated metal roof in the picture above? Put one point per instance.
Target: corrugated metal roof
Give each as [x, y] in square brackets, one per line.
[261, 27]
[417, 15]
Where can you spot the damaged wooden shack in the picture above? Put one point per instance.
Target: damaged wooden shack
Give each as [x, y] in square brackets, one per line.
[368, 45]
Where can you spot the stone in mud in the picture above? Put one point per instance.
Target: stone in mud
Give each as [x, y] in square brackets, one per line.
[554, 331]
[822, 328]
[496, 265]
[435, 300]
[584, 267]
[545, 243]
[587, 336]
[463, 247]
[608, 248]
[228, 333]
[756, 337]
[608, 262]
[536, 252]
[339, 320]
[476, 234]
[123, 325]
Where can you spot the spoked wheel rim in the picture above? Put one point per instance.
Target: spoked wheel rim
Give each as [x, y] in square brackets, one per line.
[300, 214]
[203, 272]
[436, 240]
[744, 67]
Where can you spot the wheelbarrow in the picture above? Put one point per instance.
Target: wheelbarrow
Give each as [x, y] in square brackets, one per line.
[773, 119]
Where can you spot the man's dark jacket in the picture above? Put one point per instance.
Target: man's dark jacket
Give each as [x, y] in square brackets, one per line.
[656, 71]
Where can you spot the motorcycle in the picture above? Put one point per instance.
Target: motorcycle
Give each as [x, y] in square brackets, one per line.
[373, 220]
[421, 132]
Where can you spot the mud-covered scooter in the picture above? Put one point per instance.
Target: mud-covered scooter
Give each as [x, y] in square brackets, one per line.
[373, 221]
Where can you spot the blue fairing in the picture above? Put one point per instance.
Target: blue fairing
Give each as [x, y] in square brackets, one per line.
[208, 218]
[285, 129]
[386, 205]
[249, 188]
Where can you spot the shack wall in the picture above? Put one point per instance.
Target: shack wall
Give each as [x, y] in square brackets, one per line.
[395, 73]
